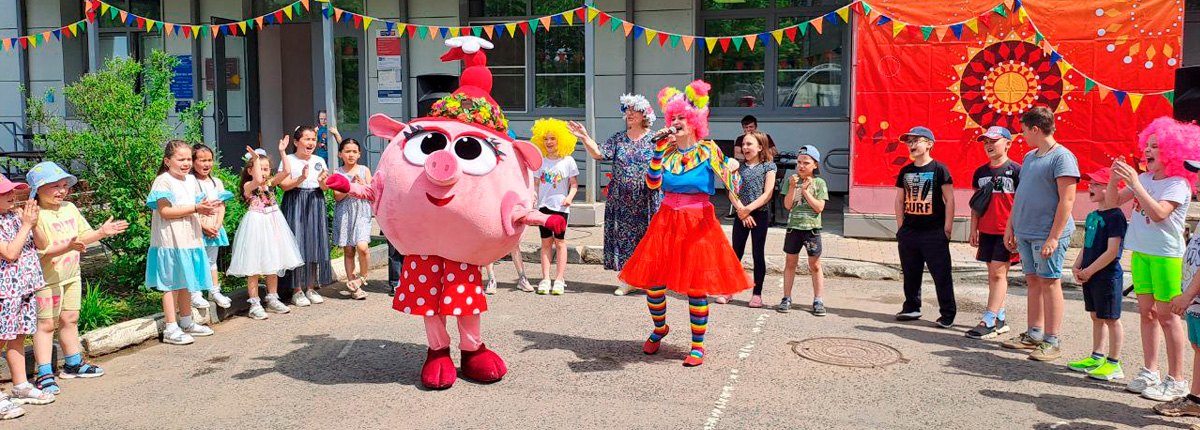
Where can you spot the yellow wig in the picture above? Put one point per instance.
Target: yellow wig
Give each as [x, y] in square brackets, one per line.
[566, 140]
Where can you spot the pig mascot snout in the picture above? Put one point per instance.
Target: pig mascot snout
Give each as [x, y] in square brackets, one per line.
[452, 193]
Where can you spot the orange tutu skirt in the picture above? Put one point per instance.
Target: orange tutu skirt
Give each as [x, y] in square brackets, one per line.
[685, 250]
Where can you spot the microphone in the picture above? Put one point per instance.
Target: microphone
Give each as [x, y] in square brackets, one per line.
[662, 134]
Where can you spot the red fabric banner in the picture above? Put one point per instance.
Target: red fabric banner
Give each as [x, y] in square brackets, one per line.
[1096, 68]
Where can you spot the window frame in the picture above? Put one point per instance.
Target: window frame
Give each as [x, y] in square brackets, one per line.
[773, 15]
[133, 36]
[531, 109]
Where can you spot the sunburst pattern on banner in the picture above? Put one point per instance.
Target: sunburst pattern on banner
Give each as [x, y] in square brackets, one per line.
[1004, 77]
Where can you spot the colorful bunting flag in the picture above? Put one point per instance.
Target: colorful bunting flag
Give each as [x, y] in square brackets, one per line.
[710, 42]
[844, 13]
[1170, 96]
[687, 43]
[1135, 100]
[1120, 95]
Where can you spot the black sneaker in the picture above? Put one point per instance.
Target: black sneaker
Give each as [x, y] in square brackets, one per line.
[944, 322]
[982, 331]
[818, 309]
[908, 316]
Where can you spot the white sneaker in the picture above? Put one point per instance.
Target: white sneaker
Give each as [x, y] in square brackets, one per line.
[177, 337]
[276, 306]
[198, 329]
[300, 300]
[559, 287]
[314, 297]
[222, 300]
[543, 287]
[623, 290]
[257, 312]
[491, 287]
[523, 284]
[1168, 390]
[9, 410]
[1144, 380]
[198, 300]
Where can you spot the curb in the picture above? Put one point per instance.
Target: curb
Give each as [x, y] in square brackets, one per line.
[833, 267]
[119, 336]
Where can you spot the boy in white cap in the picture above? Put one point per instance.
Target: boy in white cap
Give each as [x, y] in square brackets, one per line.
[998, 178]
[806, 195]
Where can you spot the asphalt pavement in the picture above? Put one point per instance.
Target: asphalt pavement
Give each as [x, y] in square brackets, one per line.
[575, 361]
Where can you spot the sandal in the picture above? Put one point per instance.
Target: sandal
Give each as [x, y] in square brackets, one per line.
[356, 290]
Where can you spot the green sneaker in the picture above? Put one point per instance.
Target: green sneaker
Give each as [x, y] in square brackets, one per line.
[1086, 365]
[1108, 371]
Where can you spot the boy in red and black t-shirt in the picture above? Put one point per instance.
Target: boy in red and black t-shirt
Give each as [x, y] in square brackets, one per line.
[1000, 175]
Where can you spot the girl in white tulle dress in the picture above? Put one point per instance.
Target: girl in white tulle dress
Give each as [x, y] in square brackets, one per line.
[264, 244]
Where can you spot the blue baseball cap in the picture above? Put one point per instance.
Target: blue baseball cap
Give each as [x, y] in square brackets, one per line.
[810, 151]
[919, 132]
[47, 172]
[996, 132]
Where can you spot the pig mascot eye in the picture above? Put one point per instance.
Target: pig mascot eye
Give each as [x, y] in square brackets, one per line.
[476, 156]
[422, 144]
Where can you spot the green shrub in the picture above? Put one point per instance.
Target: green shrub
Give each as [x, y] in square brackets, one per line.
[114, 146]
[100, 309]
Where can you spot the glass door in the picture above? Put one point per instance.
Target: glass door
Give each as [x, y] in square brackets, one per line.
[233, 73]
[349, 78]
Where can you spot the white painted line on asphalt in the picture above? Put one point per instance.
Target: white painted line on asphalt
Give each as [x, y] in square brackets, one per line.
[346, 349]
[726, 395]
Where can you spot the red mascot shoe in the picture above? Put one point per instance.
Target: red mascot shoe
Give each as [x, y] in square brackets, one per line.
[439, 372]
[483, 365]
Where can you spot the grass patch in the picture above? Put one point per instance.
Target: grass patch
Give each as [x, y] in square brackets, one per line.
[102, 308]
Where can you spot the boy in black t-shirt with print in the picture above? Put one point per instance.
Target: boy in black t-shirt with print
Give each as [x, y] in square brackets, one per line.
[924, 219]
[1098, 267]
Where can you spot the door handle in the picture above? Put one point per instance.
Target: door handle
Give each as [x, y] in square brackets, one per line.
[220, 116]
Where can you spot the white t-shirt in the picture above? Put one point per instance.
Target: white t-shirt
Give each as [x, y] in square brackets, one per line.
[1164, 238]
[555, 182]
[316, 165]
[1191, 261]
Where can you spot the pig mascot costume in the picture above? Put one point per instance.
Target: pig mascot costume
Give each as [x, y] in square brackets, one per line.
[452, 193]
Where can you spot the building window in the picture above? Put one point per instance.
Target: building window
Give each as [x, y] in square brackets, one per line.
[551, 63]
[118, 40]
[801, 78]
[346, 77]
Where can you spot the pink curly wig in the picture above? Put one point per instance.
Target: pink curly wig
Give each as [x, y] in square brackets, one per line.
[692, 103]
[1177, 142]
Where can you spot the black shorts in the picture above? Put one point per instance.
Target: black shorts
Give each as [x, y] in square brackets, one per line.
[545, 232]
[991, 248]
[797, 239]
[1102, 295]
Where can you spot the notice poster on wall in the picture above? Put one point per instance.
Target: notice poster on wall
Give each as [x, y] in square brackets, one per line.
[389, 64]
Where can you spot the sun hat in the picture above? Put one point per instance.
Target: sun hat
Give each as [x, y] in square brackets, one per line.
[47, 172]
[7, 186]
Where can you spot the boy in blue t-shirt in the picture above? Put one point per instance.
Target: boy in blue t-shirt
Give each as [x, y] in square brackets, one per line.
[1098, 267]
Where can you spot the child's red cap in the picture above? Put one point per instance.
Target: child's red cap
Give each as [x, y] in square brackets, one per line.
[1101, 176]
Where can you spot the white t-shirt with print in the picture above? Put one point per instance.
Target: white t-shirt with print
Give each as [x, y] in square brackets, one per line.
[1191, 261]
[555, 179]
[316, 165]
[1163, 238]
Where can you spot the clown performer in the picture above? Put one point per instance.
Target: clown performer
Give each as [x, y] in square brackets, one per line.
[452, 193]
[630, 202]
[685, 249]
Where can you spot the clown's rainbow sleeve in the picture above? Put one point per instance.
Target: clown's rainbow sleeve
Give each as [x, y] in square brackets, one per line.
[654, 173]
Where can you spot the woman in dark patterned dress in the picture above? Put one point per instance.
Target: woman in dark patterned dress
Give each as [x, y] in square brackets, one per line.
[631, 204]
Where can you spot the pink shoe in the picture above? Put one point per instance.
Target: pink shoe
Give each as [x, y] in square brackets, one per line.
[756, 302]
[721, 299]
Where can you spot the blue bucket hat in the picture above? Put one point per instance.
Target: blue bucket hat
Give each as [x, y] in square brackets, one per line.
[47, 172]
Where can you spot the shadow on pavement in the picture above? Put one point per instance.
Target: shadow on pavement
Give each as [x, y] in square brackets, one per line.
[324, 360]
[601, 355]
[951, 338]
[1012, 369]
[1075, 408]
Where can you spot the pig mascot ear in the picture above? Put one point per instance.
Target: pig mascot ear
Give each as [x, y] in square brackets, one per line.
[384, 126]
[529, 155]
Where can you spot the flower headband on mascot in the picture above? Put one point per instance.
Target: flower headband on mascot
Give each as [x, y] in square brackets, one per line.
[1177, 142]
[638, 103]
[566, 140]
[692, 103]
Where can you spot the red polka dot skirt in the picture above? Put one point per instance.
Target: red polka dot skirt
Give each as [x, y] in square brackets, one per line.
[436, 286]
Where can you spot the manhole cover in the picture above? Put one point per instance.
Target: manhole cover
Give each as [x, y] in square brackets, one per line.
[847, 352]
